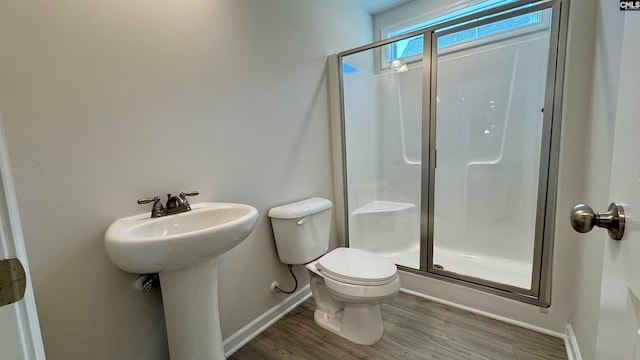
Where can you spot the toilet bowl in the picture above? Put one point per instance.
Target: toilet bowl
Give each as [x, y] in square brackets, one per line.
[347, 284]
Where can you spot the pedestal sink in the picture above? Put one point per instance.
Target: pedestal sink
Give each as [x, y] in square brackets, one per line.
[182, 249]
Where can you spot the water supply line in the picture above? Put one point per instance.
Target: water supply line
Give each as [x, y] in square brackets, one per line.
[146, 282]
[275, 287]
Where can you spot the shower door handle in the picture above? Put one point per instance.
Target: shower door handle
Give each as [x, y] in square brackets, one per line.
[583, 219]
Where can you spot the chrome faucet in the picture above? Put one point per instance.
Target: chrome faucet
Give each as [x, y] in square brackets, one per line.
[175, 204]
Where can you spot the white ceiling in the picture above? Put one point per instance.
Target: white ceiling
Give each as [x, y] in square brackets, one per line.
[378, 6]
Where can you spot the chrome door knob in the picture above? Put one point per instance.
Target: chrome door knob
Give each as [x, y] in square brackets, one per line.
[583, 219]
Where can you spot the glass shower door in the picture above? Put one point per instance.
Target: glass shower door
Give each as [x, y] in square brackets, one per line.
[490, 139]
[382, 92]
[450, 139]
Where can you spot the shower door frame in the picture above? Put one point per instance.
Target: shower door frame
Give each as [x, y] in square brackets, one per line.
[540, 291]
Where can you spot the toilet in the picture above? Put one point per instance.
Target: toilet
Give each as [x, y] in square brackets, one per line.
[347, 284]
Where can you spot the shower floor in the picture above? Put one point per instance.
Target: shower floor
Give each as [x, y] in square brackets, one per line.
[490, 268]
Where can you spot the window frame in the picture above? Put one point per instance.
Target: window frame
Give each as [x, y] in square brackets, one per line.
[431, 18]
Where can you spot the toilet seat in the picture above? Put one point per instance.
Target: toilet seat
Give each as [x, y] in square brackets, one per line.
[357, 267]
[363, 293]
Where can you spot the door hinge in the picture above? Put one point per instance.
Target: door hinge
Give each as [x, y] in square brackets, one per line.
[13, 281]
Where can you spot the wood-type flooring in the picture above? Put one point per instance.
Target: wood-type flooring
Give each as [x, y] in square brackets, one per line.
[414, 328]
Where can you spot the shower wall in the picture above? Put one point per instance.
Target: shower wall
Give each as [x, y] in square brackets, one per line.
[383, 173]
[363, 131]
[482, 174]
[489, 133]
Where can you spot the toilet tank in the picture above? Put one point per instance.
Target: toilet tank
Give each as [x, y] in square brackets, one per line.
[301, 229]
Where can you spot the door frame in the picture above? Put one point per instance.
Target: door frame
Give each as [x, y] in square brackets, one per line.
[12, 245]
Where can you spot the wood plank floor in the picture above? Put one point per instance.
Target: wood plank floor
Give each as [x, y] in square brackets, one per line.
[415, 328]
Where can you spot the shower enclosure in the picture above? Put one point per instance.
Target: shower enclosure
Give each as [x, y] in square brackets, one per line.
[449, 144]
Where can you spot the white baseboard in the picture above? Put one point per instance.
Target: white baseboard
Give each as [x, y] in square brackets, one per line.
[260, 324]
[257, 326]
[487, 314]
[571, 344]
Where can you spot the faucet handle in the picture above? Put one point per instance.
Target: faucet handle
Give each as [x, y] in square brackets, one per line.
[190, 193]
[146, 201]
[183, 196]
[157, 206]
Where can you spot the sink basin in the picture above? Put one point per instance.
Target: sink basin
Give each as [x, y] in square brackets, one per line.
[142, 245]
[182, 249]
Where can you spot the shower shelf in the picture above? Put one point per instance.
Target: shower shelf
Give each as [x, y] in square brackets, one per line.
[379, 207]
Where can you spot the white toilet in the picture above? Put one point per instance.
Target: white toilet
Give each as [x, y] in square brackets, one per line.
[347, 284]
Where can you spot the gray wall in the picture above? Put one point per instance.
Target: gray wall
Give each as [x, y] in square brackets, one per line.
[108, 102]
[409, 11]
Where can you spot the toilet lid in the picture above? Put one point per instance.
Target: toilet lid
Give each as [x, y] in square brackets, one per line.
[356, 266]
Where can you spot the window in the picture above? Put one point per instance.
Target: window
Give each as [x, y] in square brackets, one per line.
[412, 48]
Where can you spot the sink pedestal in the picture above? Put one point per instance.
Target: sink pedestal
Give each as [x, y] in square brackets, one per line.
[190, 297]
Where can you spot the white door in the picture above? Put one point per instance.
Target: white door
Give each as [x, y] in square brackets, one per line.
[619, 319]
[19, 329]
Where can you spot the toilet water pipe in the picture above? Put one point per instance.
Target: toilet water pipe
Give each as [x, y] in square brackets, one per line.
[275, 286]
[146, 282]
